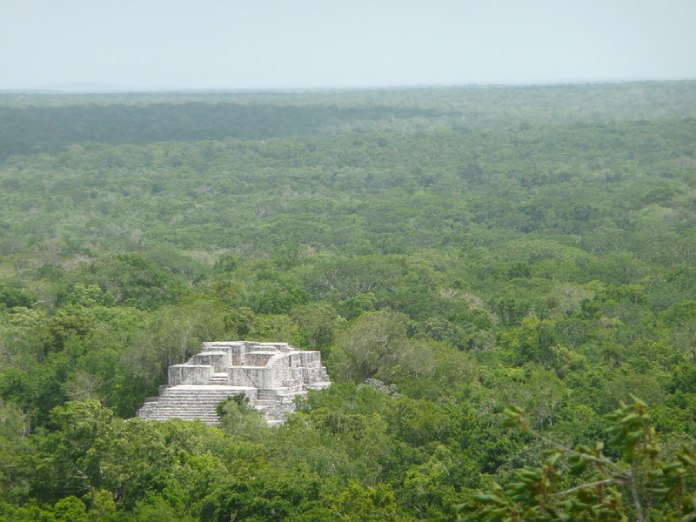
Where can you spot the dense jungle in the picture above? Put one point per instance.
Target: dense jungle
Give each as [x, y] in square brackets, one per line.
[501, 282]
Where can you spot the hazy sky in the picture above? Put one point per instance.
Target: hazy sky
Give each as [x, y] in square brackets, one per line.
[241, 44]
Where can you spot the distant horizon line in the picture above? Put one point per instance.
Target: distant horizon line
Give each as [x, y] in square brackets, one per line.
[97, 88]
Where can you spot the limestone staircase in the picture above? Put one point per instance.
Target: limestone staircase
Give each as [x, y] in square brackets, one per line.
[196, 402]
[189, 402]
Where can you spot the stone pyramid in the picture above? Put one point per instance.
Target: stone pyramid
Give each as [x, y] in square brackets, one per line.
[271, 375]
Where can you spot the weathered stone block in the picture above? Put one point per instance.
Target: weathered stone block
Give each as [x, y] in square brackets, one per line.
[218, 360]
[190, 374]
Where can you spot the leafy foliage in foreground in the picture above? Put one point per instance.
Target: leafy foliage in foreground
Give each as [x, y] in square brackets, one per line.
[637, 484]
[450, 252]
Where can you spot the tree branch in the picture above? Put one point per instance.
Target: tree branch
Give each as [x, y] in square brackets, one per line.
[588, 485]
[634, 494]
[565, 449]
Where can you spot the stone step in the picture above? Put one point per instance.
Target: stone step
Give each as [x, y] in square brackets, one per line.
[280, 393]
[176, 414]
[319, 385]
[181, 413]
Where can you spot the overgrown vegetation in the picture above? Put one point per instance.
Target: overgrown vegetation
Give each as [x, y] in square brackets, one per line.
[451, 252]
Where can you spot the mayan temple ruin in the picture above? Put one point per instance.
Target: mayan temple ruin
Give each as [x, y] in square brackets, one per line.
[271, 375]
